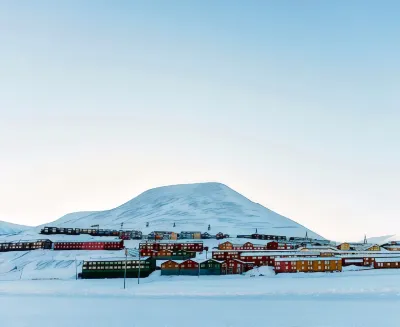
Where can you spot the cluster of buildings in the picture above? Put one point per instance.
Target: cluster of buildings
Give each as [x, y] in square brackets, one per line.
[177, 254]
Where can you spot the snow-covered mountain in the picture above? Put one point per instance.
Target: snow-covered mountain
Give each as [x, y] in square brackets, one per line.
[9, 228]
[190, 207]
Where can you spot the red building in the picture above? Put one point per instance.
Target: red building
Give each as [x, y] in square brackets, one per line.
[189, 267]
[113, 245]
[258, 258]
[225, 255]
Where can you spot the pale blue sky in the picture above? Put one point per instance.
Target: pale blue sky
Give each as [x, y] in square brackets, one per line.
[295, 104]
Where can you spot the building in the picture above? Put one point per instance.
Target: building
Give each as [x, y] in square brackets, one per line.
[274, 245]
[387, 263]
[258, 258]
[246, 246]
[170, 267]
[268, 237]
[189, 267]
[190, 235]
[344, 246]
[349, 261]
[111, 245]
[210, 267]
[235, 267]
[194, 246]
[391, 246]
[371, 247]
[26, 245]
[307, 264]
[115, 268]
[225, 246]
[168, 254]
[225, 255]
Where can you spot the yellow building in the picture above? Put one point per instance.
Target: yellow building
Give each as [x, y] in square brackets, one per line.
[344, 246]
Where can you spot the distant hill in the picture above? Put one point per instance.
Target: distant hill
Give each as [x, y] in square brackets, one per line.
[190, 207]
[9, 228]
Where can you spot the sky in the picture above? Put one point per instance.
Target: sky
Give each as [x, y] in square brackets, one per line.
[294, 104]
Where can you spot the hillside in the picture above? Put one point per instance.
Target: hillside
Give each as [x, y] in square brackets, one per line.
[190, 207]
[9, 228]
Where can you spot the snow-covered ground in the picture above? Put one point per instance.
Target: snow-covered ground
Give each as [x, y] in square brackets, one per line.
[354, 299]
[9, 228]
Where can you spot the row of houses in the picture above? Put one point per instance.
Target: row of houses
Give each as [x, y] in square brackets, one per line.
[206, 267]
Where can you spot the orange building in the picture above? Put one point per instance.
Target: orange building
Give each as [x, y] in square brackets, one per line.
[285, 265]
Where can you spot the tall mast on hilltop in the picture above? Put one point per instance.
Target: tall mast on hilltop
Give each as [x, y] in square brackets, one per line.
[365, 239]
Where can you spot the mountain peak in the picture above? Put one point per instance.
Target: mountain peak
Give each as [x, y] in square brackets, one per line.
[190, 207]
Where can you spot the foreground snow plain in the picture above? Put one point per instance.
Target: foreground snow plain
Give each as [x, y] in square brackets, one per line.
[352, 298]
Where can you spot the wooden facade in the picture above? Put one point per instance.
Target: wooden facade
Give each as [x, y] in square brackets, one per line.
[112, 245]
[189, 267]
[169, 267]
[26, 245]
[116, 268]
[235, 267]
[387, 263]
[225, 255]
[307, 264]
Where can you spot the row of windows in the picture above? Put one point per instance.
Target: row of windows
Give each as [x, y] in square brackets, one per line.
[387, 264]
[114, 267]
[302, 262]
[130, 262]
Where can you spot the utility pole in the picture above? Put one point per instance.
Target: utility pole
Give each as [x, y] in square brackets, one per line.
[126, 259]
[198, 274]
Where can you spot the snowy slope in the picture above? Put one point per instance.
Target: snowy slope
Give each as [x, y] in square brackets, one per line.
[383, 239]
[190, 207]
[9, 228]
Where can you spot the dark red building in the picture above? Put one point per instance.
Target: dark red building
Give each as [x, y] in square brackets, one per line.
[112, 245]
[235, 266]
